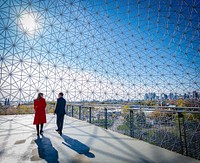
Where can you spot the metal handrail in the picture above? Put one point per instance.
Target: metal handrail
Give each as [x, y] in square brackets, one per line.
[132, 121]
[164, 110]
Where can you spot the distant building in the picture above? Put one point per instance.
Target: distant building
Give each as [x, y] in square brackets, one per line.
[150, 96]
[186, 96]
[164, 96]
[195, 95]
[171, 96]
[7, 102]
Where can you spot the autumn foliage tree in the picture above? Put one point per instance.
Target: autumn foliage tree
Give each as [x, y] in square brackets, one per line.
[182, 103]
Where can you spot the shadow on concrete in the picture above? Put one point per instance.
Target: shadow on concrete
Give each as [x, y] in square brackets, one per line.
[77, 146]
[132, 151]
[7, 132]
[46, 150]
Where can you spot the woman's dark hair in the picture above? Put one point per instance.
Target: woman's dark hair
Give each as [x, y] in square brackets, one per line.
[39, 96]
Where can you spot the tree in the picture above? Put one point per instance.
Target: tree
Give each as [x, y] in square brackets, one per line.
[182, 103]
[125, 108]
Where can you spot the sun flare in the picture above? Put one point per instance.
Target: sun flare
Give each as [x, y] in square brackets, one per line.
[29, 23]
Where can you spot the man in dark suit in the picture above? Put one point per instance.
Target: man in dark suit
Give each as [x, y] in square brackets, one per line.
[60, 112]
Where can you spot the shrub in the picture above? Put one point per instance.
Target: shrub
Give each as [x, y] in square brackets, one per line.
[51, 110]
[10, 111]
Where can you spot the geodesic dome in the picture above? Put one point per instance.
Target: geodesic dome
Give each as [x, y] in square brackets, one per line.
[98, 50]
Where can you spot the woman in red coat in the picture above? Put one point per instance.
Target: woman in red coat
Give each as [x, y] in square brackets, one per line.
[40, 113]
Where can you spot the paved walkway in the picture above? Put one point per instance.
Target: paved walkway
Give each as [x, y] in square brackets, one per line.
[81, 142]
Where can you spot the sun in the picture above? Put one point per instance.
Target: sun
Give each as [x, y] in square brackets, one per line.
[29, 22]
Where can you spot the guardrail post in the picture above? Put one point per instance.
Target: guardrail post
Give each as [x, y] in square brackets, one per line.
[80, 112]
[72, 110]
[180, 115]
[185, 139]
[131, 123]
[67, 109]
[106, 118]
[90, 114]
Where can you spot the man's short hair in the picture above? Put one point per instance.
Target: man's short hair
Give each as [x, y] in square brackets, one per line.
[61, 94]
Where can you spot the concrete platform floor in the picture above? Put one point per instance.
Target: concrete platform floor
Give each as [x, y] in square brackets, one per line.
[80, 142]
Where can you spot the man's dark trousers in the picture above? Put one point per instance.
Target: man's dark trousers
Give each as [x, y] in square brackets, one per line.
[60, 119]
[60, 112]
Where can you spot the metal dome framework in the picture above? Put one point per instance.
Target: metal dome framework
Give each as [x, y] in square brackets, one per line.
[98, 50]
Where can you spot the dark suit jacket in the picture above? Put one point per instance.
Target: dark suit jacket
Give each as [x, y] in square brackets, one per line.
[60, 106]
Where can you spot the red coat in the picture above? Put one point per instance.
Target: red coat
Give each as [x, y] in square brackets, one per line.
[40, 113]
